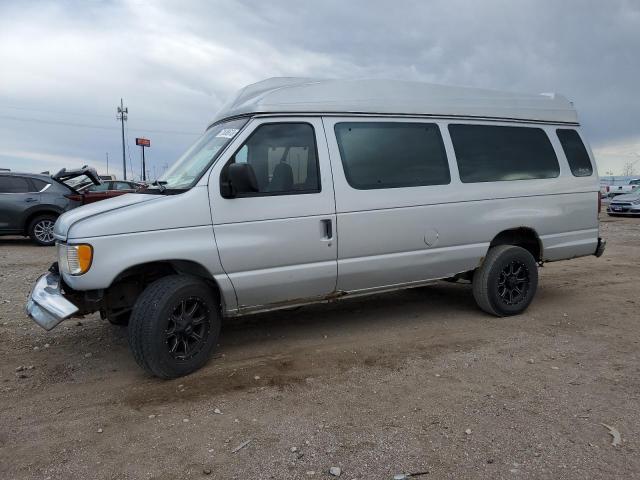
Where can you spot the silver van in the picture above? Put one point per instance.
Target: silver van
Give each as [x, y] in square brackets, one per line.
[305, 191]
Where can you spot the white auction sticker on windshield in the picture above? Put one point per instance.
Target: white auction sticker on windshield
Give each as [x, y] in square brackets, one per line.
[227, 133]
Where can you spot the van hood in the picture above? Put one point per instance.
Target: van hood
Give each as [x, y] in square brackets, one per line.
[67, 219]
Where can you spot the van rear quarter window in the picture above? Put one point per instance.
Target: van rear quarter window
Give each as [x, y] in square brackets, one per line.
[575, 152]
[392, 154]
[491, 153]
[38, 184]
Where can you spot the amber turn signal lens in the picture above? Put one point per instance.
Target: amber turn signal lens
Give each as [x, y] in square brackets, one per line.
[85, 256]
[79, 258]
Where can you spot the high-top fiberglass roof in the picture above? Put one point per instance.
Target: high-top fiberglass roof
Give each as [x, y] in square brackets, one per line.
[394, 97]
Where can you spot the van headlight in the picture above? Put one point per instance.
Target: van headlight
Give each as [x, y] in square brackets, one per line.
[75, 259]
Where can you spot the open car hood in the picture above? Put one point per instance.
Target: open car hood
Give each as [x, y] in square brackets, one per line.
[67, 177]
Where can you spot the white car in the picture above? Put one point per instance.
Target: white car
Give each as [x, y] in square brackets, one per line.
[627, 205]
[614, 190]
[305, 191]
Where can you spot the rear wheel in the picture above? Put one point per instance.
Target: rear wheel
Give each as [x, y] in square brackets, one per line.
[506, 282]
[174, 326]
[41, 230]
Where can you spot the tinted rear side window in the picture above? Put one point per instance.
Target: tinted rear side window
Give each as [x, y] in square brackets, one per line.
[488, 153]
[392, 154]
[14, 185]
[38, 184]
[575, 152]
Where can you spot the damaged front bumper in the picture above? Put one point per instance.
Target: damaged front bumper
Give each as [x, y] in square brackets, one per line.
[46, 305]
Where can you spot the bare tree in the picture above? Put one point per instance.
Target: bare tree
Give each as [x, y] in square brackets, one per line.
[629, 169]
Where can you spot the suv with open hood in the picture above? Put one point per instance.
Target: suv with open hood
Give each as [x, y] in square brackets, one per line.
[31, 203]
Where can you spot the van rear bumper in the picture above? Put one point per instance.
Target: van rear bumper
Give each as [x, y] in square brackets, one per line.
[600, 248]
[46, 304]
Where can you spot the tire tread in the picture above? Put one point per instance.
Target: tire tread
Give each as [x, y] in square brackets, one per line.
[481, 277]
[145, 312]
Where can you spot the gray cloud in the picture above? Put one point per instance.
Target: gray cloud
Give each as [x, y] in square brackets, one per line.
[65, 65]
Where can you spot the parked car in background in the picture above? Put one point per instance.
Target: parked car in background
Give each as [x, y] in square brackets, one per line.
[628, 204]
[613, 190]
[107, 189]
[305, 190]
[31, 203]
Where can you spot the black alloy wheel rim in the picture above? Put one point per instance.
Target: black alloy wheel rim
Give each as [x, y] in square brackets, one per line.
[188, 328]
[514, 282]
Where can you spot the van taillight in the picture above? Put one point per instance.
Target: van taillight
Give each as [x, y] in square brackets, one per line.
[600, 201]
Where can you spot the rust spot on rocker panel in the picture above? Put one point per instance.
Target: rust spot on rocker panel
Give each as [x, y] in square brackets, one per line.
[296, 302]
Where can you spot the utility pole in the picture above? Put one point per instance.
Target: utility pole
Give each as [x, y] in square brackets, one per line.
[107, 154]
[122, 116]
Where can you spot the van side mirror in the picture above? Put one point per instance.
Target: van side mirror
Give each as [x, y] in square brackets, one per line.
[238, 178]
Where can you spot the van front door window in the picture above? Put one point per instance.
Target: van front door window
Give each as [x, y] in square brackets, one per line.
[283, 157]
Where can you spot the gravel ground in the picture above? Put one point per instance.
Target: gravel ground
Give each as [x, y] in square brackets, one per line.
[413, 381]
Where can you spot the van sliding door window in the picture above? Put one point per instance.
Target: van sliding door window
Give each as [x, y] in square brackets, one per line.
[575, 152]
[283, 157]
[392, 154]
[489, 153]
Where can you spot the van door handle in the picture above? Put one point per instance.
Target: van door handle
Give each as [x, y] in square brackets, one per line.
[327, 229]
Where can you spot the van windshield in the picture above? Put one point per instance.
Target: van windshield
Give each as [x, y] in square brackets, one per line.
[188, 169]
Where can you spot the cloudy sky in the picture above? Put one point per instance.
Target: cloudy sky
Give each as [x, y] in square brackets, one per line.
[64, 65]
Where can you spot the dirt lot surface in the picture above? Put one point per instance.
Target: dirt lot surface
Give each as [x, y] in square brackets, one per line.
[414, 381]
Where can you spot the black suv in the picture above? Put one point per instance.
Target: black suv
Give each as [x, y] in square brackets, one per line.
[31, 203]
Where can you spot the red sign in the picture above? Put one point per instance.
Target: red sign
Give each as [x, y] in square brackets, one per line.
[143, 142]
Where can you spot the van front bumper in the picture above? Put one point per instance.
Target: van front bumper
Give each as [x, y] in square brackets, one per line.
[46, 305]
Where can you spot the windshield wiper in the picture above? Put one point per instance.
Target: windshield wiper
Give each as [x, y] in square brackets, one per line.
[160, 184]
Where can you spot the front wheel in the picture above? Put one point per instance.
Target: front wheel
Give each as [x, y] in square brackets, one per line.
[174, 326]
[506, 282]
